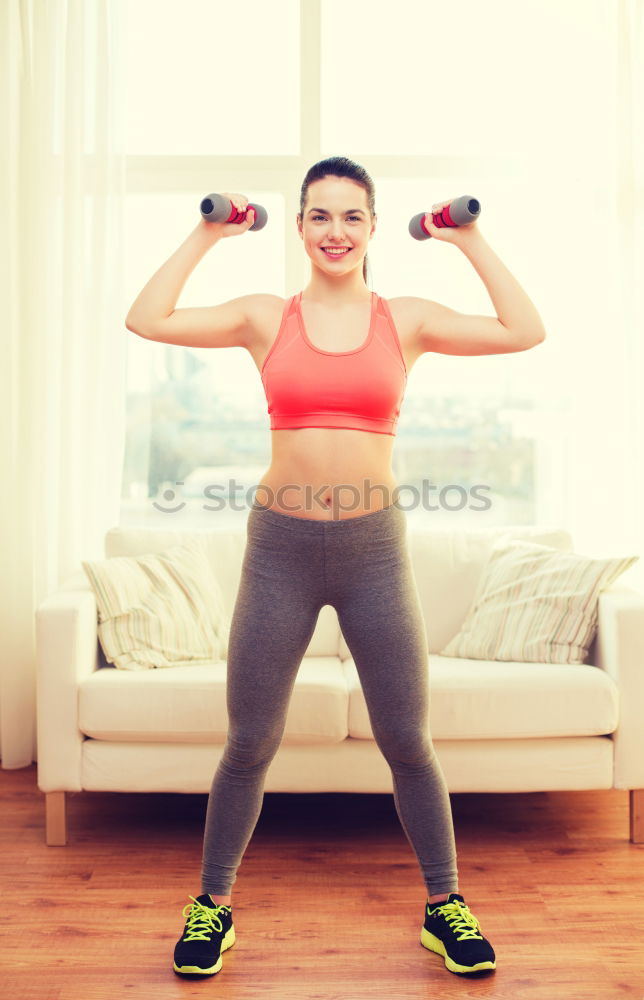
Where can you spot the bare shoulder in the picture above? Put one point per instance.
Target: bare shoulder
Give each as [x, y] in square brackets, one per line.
[263, 317]
[404, 310]
[405, 314]
[263, 311]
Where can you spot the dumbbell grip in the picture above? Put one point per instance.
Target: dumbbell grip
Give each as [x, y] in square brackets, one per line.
[459, 212]
[217, 208]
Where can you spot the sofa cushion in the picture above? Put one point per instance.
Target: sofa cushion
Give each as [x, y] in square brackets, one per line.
[159, 610]
[475, 699]
[534, 604]
[187, 704]
[225, 548]
[447, 566]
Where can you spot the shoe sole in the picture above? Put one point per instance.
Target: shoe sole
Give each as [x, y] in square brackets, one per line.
[194, 970]
[432, 943]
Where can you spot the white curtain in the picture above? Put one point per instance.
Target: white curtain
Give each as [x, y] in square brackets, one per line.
[64, 341]
[630, 213]
[604, 462]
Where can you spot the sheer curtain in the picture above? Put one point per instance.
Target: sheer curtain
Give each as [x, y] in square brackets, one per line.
[64, 342]
[604, 467]
[64, 388]
[630, 208]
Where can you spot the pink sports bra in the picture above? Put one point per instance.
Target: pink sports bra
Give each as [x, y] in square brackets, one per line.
[359, 390]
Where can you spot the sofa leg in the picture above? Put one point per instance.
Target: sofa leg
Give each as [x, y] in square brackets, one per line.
[636, 809]
[56, 823]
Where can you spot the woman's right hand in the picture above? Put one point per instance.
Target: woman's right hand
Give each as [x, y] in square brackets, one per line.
[220, 230]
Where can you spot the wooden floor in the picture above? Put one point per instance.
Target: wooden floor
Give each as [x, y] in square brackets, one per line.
[328, 902]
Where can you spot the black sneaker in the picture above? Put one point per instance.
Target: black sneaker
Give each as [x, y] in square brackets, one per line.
[209, 930]
[452, 930]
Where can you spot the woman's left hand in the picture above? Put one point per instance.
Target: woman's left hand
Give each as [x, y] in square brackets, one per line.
[457, 235]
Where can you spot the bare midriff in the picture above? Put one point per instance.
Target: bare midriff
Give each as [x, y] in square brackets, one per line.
[328, 473]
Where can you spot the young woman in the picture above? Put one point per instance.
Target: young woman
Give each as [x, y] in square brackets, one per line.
[324, 527]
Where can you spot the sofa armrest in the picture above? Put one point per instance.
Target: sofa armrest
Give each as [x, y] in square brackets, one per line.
[66, 652]
[620, 652]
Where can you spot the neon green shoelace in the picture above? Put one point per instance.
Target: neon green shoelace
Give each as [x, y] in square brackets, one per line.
[460, 918]
[201, 920]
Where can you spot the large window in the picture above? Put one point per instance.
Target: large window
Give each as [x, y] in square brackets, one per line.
[246, 97]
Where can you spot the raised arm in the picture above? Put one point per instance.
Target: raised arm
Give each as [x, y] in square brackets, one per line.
[153, 314]
[517, 325]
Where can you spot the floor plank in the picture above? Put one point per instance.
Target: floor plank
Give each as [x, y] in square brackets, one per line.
[328, 902]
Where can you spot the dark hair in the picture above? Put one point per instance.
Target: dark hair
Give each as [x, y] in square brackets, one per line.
[340, 166]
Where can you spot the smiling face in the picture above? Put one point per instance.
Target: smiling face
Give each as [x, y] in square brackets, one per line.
[336, 215]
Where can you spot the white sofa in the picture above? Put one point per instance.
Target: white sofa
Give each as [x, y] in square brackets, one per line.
[496, 726]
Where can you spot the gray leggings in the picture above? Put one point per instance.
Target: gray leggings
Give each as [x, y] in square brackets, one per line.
[361, 566]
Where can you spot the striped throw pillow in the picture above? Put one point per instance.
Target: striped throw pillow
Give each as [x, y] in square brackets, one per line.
[159, 610]
[535, 604]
